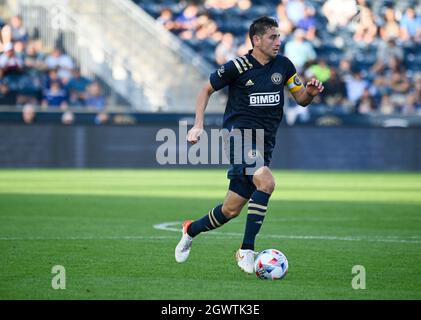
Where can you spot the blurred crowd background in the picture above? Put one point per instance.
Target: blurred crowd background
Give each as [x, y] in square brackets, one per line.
[367, 53]
[32, 75]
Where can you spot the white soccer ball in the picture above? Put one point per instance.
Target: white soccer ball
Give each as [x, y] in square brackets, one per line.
[271, 264]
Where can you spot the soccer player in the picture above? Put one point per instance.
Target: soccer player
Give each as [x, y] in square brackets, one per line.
[255, 101]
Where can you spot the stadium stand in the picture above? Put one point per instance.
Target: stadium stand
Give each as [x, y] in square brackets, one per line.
[32, 75]
[368, 52]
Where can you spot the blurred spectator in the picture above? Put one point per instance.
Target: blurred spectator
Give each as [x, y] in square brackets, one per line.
[63, 63]
[294, 112]
[78, 84]
[417, 90]
[207, 29]
[55, 96]
[410, 106]
[339, 12]
[308, 23]
[366, 103]
[319, 70]
[14, 31]
[397, 82]
[186, 22]
[410, 26]
[30, 82]
[94, 98]
[226, 49]
[355, 86]
[285, 24]
[295, 10]
[68, 117]
[34, 78]
[20, 50]
[33, 58]
[52, 76]
[220, 4]
[413, 102]
[7, 97]
[28, 114]
[298, 50]
[335, 92]
[398, 79]
[345, 68]
[244, 5]
[166, 19]
[366, 28]
[101, 118]
[385, 52]
[390, 27]
[75, 100]
[386, 105]
[9, 63]
[77, 88]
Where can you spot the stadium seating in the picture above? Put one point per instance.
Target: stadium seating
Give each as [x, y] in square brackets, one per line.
[331, 45]
[335, 46]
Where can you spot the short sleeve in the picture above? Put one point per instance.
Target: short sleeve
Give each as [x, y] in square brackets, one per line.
[225, 75]
[293, 82]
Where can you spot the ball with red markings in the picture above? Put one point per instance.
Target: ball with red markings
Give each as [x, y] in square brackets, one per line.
[271, 264]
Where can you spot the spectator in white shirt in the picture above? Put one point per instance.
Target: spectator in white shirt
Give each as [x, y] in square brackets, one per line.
[62, 62]
[9, 63]
[298, 50]
[339, 12]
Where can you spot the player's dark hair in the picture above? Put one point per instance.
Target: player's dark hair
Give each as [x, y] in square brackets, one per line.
[260, 26]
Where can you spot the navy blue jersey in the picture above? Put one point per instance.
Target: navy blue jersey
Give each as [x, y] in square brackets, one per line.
[256, 92]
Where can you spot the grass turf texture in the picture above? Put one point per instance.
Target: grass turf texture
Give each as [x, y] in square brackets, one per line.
[98, 224]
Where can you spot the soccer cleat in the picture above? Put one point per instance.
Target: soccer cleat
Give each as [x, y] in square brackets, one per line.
[245, 260]
[182, 250]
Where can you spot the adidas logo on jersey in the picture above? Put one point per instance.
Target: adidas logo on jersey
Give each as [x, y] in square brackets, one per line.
[249, 83]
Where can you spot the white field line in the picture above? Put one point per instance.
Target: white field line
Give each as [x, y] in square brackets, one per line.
[176, 227]
[170, 226]
[87, 238]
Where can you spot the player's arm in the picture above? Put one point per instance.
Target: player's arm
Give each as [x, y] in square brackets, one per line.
[304, 95]
[201, 104]
[222, 77]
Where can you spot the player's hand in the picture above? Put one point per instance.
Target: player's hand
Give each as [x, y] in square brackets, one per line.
[194, 135]
[314, 87]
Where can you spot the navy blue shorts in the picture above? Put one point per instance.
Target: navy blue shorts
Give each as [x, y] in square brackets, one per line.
[245, 159]
[242, 185]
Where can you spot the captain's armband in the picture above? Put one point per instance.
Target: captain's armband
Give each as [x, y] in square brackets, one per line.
[294, 83]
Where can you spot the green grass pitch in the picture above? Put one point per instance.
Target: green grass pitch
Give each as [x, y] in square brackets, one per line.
[101, 226]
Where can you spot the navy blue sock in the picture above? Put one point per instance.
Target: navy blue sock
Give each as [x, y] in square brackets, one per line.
[214, 219]
[256, 214]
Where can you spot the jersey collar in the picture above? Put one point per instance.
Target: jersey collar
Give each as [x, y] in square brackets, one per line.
[256, 63]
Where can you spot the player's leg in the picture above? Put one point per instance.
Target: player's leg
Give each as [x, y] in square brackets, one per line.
[216, 217]
[265, 185]
[219, 215]
[244, 186]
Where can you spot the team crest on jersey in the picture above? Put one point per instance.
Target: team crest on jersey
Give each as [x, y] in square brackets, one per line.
[297, 81]
[220, 71]
[253, 153]
[276, 78]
